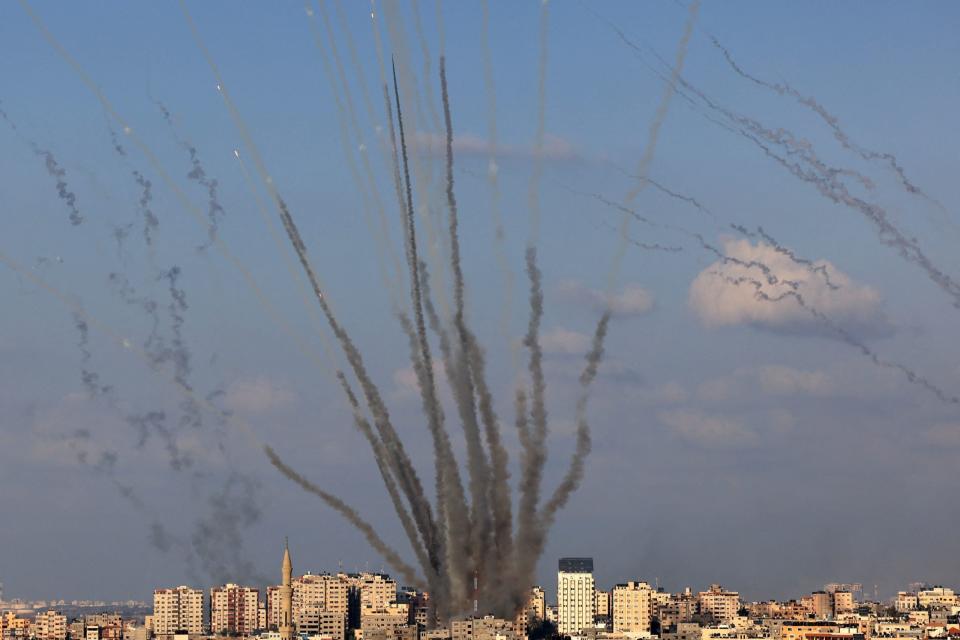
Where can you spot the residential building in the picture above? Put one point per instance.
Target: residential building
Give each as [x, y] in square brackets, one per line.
[723, 605]
[632, 608]
[234, 609]
[576, 603]
[50, 625]
[178, 609]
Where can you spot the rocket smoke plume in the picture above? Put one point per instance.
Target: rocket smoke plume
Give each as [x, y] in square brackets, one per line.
[459, 541]
[198, 174]
[784, 89]
[58, 173]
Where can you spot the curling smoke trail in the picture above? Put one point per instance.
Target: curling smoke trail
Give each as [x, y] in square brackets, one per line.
[493, 171]
[784, 89]
[653, 136]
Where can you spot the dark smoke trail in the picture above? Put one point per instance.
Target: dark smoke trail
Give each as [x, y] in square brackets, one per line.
[90, 379]
[574, 473]
[60, 176]
[498, 484]
[381, 458]
[845, 336]
[653, 137]
[831, 121]
[55, 171]
[779, 248]
[447, 487]
[216, 538]
[532, 438]
[215, 211]
[407, 572]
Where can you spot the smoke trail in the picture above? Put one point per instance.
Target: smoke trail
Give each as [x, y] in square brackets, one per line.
[653, 136]
[54, 170]
[532, 437]
[216, 538]
[574, 474]
[215, 211]
[824, 178]
[407, 572]
[449, 487]
[381, 458]
[59, 174]
[493, 172]
[90, 379]
[831, 121]
[779, 248]
[533, 193]
[844, 335]
[499, 490]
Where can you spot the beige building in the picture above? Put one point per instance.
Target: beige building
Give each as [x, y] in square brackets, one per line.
[632, 608]
[936, 597]
[576, 603]
[234, 609]
[314, 621]
[536, 605]
[485, 628]
[602, 604]
[50, 625]
[821, 605]
[179, 609]
[906, 601]
[720, 603]
[329, 592]
[842, 602]
[388, 617]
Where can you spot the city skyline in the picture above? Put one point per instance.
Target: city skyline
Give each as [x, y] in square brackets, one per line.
[455, 290]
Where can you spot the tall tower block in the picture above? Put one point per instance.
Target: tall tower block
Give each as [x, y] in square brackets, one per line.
[286, 596]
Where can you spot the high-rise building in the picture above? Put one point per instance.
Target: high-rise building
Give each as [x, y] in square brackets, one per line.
[176, 610]
[576, 604]
[723, 605]
[50, 625]
[631, 608]
[234, 609]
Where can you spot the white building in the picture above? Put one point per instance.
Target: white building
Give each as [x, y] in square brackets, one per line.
[576, 602]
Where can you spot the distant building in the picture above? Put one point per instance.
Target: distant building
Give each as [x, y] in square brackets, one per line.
[723, 605]
[485, 628]
[234, 609]
[907, 601]
[822, 605]
[842, 602]
[50, 625]
[576, 604]
[631, 608]
[179, 609]
[536, 605]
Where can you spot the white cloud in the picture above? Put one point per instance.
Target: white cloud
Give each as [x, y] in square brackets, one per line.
[943, 435]
[405, 380]
[633, 300]
[708, 431]
[725, 294]
[554, 147]
[256, 395]
[564, 341]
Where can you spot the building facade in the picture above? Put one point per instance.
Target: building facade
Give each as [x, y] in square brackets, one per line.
[234, 610]
[179, 609]
[576, 602]
[631, 608]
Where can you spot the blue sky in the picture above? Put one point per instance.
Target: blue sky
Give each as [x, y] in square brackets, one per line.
[756, 450]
